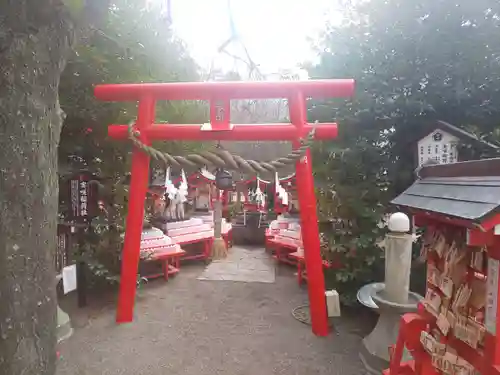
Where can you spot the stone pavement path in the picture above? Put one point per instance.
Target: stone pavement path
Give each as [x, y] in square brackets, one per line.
[242, 264]
[193, 327]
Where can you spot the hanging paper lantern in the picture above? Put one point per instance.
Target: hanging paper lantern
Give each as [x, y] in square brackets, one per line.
[223, 179]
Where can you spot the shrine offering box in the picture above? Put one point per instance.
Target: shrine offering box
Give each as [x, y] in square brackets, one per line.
[456, 330]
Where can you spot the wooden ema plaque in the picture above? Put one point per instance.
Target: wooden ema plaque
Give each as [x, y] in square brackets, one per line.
[454, 331]
[455, 297]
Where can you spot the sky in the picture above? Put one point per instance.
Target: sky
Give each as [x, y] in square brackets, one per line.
[274, 31]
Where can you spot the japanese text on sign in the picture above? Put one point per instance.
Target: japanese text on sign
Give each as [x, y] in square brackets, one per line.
[219, 111]
[74, 198]
[83, 199]
[439, 147]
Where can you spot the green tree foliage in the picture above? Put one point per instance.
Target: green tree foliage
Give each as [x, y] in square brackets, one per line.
[413, 62]
[135, 45]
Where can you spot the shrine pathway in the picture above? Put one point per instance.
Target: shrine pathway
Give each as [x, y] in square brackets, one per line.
[242, 264]
[197, 327]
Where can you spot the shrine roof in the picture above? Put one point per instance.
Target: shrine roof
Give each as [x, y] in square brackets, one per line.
[462, 134]
[466, 137]
[466, 190]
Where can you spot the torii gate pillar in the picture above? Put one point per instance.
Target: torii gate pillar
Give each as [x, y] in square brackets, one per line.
[309, 224]
[221, 93]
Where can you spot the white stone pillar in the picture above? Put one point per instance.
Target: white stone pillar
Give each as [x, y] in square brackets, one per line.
[398, 246]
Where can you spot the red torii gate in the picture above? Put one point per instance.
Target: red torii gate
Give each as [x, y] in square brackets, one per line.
[219, 95]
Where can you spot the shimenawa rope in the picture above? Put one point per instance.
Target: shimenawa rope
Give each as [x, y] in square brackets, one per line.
[220, 157]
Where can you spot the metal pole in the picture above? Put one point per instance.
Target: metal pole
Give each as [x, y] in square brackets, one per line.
[309, 227]
[135, 217]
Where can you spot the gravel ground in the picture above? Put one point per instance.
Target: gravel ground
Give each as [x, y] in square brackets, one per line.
[193, 327]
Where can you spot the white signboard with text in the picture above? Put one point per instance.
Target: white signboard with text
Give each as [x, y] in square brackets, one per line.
[438, 146]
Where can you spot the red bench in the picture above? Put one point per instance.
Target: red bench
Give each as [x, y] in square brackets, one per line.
[207, 246]
[170, 262]
[301, 270]
[205, 251]
[281, 250]
[287, 253]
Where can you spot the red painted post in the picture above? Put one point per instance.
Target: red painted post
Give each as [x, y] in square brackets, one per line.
[240, 132]
[135, 217]
[309, 226]
[220, 112]
[327, 88]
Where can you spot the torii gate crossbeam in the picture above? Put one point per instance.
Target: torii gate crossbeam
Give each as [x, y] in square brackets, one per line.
[219, 95]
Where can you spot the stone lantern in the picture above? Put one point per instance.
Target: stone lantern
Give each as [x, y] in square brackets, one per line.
[392, 298]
